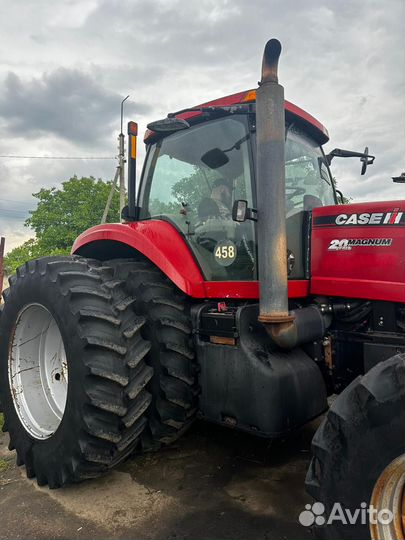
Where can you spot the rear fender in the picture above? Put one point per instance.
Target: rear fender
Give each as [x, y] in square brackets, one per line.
[162, 244]
[157, 240]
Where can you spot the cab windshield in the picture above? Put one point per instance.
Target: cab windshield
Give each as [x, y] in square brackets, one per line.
[307, 178]
[191, 178]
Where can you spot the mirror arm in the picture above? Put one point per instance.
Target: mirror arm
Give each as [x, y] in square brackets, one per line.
[251, 214]
[338, 152]
[365, 157]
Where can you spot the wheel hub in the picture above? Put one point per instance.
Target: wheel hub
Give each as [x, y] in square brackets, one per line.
[38, 371]
[389, 494]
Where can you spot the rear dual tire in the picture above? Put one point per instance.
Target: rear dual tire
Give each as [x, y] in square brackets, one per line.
[76, 311]
[168, 329]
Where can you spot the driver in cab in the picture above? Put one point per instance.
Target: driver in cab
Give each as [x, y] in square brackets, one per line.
[218, 205]
[222, 195]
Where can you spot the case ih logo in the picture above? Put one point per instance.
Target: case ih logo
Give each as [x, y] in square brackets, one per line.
[376, 218]
[393, 218]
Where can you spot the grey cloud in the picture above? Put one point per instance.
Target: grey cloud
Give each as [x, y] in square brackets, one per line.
[133, 77]
[341, 62]
[67, 103]
[38, 38]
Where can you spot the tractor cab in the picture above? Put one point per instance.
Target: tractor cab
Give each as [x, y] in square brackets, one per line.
[193, 177]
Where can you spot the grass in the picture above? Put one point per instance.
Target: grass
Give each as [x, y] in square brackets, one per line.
[1, 421]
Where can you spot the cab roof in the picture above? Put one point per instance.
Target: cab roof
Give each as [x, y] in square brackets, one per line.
[293, 113]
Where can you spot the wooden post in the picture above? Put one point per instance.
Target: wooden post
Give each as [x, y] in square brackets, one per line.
[110, 196]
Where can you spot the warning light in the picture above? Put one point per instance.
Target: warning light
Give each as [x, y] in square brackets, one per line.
[132, 128]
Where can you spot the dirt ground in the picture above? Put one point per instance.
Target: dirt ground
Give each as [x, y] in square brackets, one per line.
[214, 484]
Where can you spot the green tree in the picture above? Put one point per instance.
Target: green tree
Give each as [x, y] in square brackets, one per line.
[190, 189]
[345, 200]
[61, 215]
[26, 251]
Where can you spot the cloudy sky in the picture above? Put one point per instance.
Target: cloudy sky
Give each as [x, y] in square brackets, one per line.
[65, 66]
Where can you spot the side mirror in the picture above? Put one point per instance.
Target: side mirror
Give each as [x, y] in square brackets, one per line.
[241, 212]
[399, 179]
[215, 158]
[365, 157]
[366, 160]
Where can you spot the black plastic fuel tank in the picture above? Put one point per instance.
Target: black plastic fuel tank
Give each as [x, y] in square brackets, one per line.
[251, 385]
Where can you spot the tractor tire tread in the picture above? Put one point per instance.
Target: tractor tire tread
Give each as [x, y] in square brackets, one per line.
[112, 410]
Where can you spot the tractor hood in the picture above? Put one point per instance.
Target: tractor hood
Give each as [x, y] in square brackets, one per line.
[358, 251]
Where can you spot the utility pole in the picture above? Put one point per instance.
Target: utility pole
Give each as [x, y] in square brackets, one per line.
[120, 172]
[2, 243]
[121, 159]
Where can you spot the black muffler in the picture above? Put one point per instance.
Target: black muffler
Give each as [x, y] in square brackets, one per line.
[284, 327]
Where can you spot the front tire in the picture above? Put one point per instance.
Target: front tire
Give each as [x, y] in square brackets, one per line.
[363, 432]
[68, 322]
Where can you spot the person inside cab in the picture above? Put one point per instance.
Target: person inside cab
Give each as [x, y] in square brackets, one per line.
[219, 204]
[222, 194]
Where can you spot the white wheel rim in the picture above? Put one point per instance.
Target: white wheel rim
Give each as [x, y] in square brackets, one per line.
[38, 372]
[389, 494]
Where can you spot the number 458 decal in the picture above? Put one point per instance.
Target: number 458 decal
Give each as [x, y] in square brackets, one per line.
[347, 244]
[225, 252]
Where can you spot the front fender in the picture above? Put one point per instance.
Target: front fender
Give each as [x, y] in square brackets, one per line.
[157, 240]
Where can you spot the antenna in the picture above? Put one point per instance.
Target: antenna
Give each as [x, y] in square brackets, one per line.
[2, 244]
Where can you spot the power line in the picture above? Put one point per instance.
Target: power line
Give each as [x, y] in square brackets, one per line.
[14, 209]
[56, 157]
[14, 213]
[15, 201]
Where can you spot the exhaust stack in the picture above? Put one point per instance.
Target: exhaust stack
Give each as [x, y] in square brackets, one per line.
[286, 329]
[272, 237]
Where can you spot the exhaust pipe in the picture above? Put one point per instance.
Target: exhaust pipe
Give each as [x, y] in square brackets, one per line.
[272, 236]
[286, 329]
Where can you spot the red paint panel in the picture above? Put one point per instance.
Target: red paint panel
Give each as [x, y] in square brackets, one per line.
[238, 98]
[359, 288]
[372, 272]
[163, 245]
[250, 289]
[160, 243]
[290, 107]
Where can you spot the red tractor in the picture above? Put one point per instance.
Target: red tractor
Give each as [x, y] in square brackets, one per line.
[240, 290]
